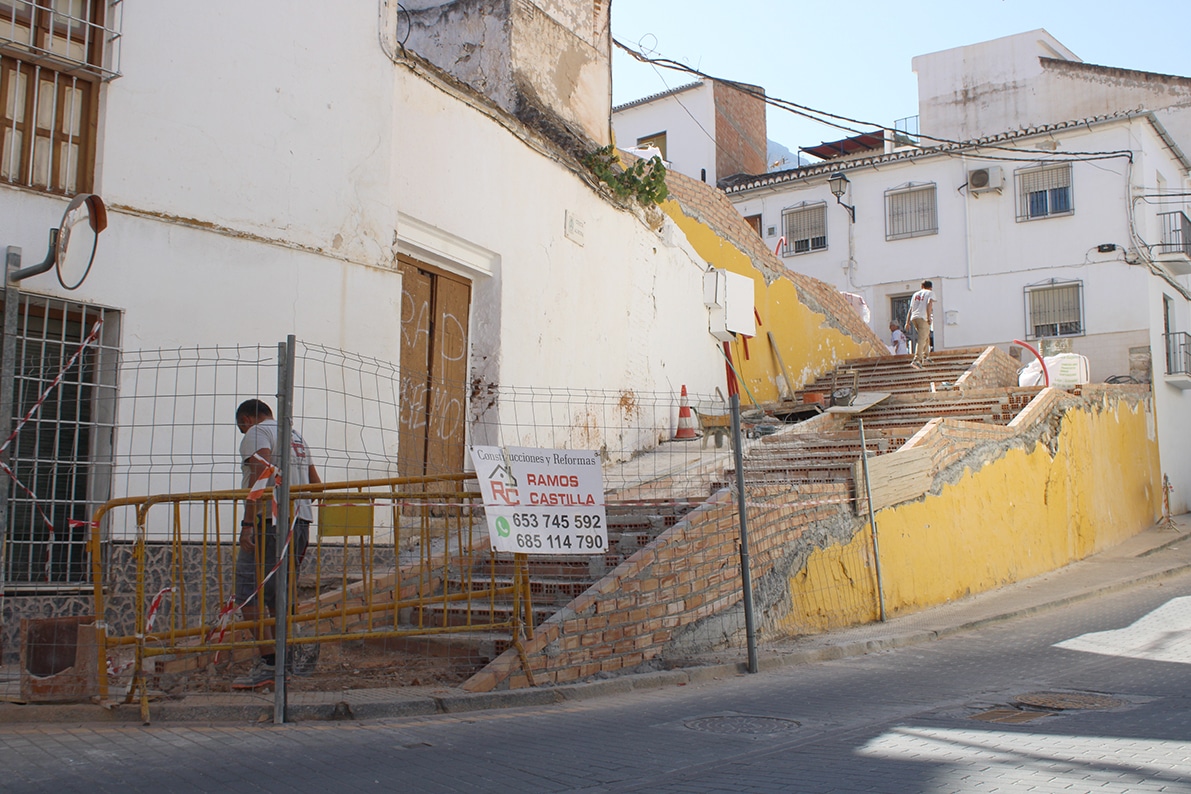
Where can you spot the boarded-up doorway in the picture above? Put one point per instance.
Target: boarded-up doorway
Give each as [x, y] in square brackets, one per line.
[434, 314]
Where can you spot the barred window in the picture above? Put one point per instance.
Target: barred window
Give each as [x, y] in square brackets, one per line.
[52, 61]
[1054, 309]
[911, 212]
[1044, 192]
[61, 458]
[805, 228]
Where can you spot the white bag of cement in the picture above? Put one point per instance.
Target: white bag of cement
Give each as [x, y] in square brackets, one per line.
[1066, 370]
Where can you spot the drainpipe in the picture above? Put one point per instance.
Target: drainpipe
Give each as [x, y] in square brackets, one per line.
[967, 227]
[852, 254]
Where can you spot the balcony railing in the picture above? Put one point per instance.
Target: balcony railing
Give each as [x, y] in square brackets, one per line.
[1178, 353]
[71, 37]
[905, 131]
[1176, 234]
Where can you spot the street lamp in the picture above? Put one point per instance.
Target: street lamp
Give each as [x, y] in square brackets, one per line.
[838, 183]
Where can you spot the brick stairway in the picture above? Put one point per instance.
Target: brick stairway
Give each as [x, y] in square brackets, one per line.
[814, 459]
[681, 595]
[554, 580]
[826, 449]
[894, 374]
[820, 459]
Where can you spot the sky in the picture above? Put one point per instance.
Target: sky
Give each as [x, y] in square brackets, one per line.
[852, 58]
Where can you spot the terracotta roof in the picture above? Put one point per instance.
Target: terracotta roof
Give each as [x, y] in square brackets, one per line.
[796, 174]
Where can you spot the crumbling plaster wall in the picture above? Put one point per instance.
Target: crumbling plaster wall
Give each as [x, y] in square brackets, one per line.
[1082, 481]
[469, 40]
[547, 62]
[813, 326]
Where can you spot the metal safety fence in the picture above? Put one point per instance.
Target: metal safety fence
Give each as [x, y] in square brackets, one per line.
[400, 585]
[388, 563]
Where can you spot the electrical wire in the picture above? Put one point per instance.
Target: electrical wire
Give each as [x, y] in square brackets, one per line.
[842, 122]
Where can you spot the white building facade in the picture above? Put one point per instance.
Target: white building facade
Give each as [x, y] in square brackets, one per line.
[306, 169]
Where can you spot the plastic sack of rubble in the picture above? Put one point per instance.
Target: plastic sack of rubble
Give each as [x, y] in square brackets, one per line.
[1065, 369]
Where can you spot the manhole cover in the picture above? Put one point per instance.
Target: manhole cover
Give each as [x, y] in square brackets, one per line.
[1061, 701]
[742, 724]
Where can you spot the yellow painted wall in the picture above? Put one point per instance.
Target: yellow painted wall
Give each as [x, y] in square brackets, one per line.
[836, 588]
[1018, 516]
[808, 345]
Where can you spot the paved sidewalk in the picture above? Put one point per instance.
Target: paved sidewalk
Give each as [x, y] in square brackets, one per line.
[1157, 553]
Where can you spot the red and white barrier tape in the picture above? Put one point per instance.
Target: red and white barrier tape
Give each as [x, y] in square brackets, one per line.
[91, 337]
[50, 538]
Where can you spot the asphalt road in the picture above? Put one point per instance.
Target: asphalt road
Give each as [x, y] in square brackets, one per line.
[895, 721]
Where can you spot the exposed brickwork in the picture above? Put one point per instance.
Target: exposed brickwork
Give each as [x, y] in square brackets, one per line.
[690, 575]
[993, 368]
[741, 139]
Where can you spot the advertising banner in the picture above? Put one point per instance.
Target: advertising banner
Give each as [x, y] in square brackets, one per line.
[543, 501]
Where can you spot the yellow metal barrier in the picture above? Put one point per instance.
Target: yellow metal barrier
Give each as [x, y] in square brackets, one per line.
[388, 558]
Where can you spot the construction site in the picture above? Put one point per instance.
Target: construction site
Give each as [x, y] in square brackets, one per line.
[877, 491]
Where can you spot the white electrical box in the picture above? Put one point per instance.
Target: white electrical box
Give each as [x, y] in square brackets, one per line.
[730, 299]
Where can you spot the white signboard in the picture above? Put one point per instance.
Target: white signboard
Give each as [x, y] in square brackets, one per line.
[543, 501]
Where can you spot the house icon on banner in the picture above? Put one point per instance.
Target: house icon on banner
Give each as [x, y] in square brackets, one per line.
[504, 484]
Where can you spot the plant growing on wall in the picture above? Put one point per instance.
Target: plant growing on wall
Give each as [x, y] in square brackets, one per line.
[644, 180]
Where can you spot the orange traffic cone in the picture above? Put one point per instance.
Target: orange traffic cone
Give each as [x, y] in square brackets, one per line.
[686, 420]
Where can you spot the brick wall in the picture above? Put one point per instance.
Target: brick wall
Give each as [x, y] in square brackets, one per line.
[690, 576]
[994, 368]
[741, 140]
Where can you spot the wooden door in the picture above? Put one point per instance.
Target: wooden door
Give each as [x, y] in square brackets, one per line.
[435, 307]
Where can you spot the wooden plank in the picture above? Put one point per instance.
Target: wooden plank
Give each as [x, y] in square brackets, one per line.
[782, 364]
[894, 478]
[447, 414]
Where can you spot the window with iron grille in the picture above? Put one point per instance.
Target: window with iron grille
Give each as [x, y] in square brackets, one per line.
[1054, 309]
[1044, 192]
[911, 212]
[61, 458]
[53, 56]
[805, 228]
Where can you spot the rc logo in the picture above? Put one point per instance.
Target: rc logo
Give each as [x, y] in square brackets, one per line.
[504, 485]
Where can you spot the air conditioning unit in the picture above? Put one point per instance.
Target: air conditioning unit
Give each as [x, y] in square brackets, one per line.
[983, 180]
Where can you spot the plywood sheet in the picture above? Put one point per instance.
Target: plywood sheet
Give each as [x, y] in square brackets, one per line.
[893, 478]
